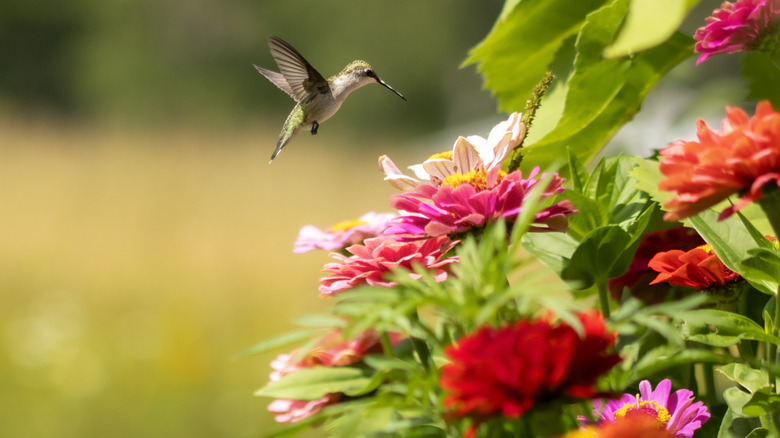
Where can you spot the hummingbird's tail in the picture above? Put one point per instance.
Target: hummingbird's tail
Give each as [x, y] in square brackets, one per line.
[284, 138]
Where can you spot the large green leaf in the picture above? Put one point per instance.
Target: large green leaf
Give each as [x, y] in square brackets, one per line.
[607, 108]
[523, 43]
[762, 269]
[649, 23]
[723, 323]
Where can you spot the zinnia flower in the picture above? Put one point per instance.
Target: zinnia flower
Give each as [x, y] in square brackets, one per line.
[698, 268]
[332, 350]
[343, 234]
[736, 27]
[744, 158]
[634, 426]
[466, 188]
[468, 154]
[676, 412]
[371, 261]
[463, 202]
[508, 370]
[639, 274]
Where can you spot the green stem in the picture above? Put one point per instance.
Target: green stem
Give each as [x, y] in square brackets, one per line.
[709, 382]
[531, 106]
[601, 283]
[387, 345]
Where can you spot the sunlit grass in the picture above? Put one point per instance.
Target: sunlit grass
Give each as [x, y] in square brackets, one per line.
[135, 266]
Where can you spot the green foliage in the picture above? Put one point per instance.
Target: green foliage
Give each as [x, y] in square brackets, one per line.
[607, 59]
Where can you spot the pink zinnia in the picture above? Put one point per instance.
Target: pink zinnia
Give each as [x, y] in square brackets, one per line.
[371, 262]
[676, 412]
[742, 159]
[736, 27]
[332, 350]
[342, 234]
[463, 202]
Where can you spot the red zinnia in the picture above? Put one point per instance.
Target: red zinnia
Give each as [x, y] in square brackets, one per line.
[698, 268]
[508, 370]
[742, 159]
[639, 274]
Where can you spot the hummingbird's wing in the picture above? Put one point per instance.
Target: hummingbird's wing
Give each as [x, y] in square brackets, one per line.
[278, 80]
[303, 79]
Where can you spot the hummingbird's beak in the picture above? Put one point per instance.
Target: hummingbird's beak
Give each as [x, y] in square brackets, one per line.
[384, 84]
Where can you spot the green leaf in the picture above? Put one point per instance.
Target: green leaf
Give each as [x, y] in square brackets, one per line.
[762, 403]
[522, 45]
[760, 71]
[596, 256]
[762, 269]
[666, 357]
[734, 425]
[551, 249]
[315, 383]
[649, 23]
[275, 342]
[723, 323]
[751, 379]
[596, 108]
[647, 174]
[729, 238]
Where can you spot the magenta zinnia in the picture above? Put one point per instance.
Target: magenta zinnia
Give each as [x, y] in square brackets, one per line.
[466, 201]
[737, 27]
[371, 262]
[676, 412]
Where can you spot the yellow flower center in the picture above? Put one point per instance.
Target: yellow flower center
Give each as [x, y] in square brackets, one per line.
[446, 155]
[347, 225]
[661, 413]
[707, 248]
[477, 178]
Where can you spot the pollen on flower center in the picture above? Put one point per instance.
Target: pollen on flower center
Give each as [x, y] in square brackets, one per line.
[446, 155]
[648, 408]
[477, 178]
[347, 225]
[706, 248]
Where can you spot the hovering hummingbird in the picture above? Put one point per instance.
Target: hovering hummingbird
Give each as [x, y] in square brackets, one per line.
[316, 99]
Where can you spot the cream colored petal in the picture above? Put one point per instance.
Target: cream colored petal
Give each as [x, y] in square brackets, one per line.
[419, 172]
[465, 156]
[394, 176]
[439, 168]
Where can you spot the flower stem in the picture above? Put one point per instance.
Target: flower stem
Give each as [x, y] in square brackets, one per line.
[601, 283]
[531, 106]
[709, 382]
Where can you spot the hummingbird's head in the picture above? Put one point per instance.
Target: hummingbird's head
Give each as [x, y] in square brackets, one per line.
[361, 73]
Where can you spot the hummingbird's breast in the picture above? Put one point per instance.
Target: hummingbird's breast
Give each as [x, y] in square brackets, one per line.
[321, 108]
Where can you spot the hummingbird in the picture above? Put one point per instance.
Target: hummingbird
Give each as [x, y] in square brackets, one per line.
[316, 99]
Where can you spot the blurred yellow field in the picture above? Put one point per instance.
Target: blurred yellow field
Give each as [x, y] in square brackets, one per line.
[135, 266]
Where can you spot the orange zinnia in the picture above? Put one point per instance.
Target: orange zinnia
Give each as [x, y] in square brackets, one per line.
[742, 159]
[698, 268]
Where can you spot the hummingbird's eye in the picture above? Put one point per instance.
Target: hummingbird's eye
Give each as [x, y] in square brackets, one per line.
[369, 73]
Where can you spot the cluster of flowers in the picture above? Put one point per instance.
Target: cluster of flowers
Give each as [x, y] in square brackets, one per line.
[506, 371]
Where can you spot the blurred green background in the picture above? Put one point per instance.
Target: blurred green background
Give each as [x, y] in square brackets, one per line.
[144, 239]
